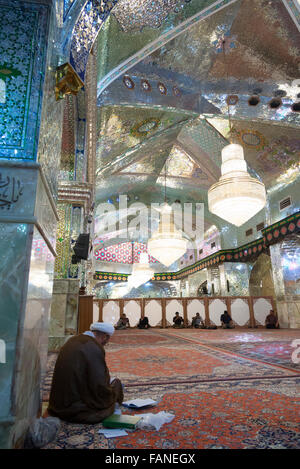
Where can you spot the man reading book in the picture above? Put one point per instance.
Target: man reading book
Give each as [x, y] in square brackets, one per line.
[82, 390]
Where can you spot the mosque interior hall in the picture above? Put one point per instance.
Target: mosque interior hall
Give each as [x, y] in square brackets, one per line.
[149, 170]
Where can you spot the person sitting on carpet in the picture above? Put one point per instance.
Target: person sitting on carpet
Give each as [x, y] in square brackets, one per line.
[82, 391]
[271, 321]
[198, 322]
[123, 322]
[226, 321]
[177, 320]
[144, 323]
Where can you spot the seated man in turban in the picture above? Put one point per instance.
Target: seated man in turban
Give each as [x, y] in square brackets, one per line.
[82, 390]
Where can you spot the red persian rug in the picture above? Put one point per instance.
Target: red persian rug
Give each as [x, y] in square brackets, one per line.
[250, 414]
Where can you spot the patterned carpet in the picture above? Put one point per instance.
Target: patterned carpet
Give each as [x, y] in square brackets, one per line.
[221, 394]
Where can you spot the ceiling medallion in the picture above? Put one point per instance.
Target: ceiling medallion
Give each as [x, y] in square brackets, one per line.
[232, 99]
[176, 91]
[145, 85]
[142, 129]
[252, 139]
[161, 88]
[128, 82]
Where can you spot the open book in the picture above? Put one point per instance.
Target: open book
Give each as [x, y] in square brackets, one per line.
[139, 403]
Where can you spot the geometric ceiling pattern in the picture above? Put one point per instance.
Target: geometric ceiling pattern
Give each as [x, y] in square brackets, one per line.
[165, 119]
[122, 253]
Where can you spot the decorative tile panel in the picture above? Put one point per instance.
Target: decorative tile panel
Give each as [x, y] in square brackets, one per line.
[23, 42]
[85, 32]
[67, 6]
[122, 253]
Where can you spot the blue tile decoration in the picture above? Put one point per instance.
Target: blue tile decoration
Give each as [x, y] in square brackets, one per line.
[23, 43]
[85, 32]
[67, 6]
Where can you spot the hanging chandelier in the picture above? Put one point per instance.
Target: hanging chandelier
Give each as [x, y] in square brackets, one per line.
[237, 196]
[167, 244]
[141, 272]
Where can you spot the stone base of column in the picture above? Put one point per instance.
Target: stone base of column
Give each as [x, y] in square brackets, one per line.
[64, 312]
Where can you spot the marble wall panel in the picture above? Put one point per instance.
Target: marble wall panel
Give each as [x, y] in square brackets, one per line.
[216, 308]
[153, 311]
[193, 307]
[240, 312]
[95, 312]
[14, 239]
[33, 347]
[289, 312]
[132, 309]
[111, 311]
[171, 308]
[261, 308]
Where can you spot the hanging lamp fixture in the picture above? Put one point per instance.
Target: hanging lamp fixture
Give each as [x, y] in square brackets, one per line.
[167, 244]
[237, 196]
[141, 272]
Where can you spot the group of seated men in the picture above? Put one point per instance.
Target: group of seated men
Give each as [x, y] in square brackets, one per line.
[271, 322]
[123, 323]
[198, 322]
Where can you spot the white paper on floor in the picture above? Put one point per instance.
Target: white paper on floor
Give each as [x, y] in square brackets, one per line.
[113, 433]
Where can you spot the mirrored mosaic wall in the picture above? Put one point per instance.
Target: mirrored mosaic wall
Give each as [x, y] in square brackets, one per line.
[148, 290]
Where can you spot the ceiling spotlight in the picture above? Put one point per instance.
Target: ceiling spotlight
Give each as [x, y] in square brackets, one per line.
[275, 103]
[296, 107]
[254, 100]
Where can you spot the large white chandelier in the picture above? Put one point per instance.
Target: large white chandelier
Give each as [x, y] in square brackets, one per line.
[141, 272]
[237, 196]
[167, 244]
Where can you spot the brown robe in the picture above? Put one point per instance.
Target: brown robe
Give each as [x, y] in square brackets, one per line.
[81, 391]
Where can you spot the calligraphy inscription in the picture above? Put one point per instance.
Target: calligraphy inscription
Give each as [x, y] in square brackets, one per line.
[11, 189]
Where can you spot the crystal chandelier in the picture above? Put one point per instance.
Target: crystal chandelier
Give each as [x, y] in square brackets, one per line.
[167, 244]
[237, 196]
[141, 272]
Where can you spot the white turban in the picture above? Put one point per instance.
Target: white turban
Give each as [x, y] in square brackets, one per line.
[105, 327]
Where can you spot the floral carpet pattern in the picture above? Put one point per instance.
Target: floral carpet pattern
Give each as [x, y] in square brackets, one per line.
[278, 353]
[227, 399]
[248, 414]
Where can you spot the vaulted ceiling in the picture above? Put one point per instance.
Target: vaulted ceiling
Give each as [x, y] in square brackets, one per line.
[166, 112]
